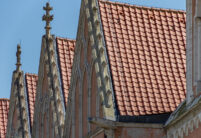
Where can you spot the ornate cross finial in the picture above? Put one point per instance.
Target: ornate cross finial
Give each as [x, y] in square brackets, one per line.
[48, 18]
[18, 53]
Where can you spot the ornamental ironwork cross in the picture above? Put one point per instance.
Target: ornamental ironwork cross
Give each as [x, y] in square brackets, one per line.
[48, 18]
[18, 53]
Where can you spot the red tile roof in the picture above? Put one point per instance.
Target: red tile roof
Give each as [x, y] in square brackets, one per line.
[65, 49]
[31, 81]
[146, 50]
[4, 109]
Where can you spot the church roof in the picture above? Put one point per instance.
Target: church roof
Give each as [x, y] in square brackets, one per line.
[4, 109]
[31, 81]
[65, 52]
[146, 51]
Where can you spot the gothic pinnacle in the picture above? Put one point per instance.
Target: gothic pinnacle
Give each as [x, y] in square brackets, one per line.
[48, 18]
[18, 53]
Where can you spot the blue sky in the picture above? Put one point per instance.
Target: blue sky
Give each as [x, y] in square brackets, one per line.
[21, 22]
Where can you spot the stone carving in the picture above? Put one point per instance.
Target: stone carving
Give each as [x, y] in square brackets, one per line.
[18, 53]
[99, 54]
[48, 18]
[53, 94]
[18, 104]
[186, 127]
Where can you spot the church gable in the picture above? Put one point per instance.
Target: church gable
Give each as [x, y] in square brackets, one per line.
[49, 93]
[28, 101]
[18, 119]
[88, 92]
[53, 84]
[22, 100]
[97, 53]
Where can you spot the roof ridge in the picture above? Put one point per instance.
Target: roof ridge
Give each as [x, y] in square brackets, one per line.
[6, 99]
[69, 39]
[32, 74]
[144, 7]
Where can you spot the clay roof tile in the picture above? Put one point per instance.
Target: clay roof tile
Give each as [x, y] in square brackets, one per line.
[147, 47]
[65, 51]
[31, 84]
[4, 109]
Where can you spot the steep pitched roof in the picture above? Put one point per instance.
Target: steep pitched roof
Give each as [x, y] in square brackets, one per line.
[4, 109]
[146, 50]
[65, 52]
[31, 82]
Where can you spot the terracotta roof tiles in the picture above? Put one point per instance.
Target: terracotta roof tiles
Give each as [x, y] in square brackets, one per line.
[4, 109]
[146, 50]
[31, 82]
[65, 51]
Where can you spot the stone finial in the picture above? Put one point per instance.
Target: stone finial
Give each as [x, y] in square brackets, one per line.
[48, 18]
[18, 53]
